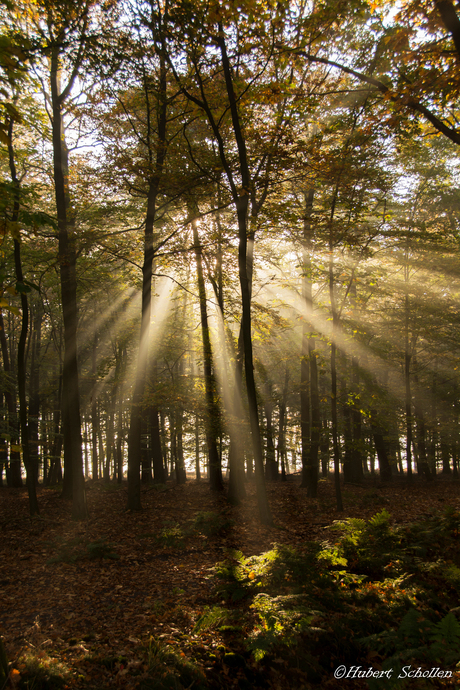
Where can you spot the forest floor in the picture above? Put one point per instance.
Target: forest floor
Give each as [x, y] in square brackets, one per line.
[121, 600]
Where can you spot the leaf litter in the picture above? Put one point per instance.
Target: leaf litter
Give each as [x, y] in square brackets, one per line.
[108, 602]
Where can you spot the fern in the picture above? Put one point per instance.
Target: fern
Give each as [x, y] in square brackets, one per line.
[445, 639]
[414, 629]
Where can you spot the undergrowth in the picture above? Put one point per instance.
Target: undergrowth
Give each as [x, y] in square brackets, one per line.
[374, 591]
[170, 670]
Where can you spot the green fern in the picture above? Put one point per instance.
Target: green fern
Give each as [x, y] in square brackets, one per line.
[414, 630]
[445, 639]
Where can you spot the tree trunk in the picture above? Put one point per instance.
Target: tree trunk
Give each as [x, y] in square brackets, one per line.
[422, 464]
[13, 469]
[55, 474]
[271, 466]
[34, 390]
[94, 415]
[181, 474]
[30, 469]
[67, 261]
[335, 433]
[110, 437]
[157, 454]
[212, 411]
[22, 288]
[134, 436]
[197, 450]
[347, 433]
[310, 422]
[358, 473]
[381, 448]
[119, 451]
[3, 443]
[282, 427]
[236, 488]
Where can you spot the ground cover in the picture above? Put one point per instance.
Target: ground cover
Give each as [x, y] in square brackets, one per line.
[192, 592]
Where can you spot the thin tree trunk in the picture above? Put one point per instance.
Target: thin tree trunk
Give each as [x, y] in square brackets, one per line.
[271, 466]
[94, 415]
[157, 455]
[381, 448]
[30, 469]
[134, 436]
[212, 412]
[67, 261]
[282, 427]
[358, 473]
[310, 422]
[197, 450]
[181, 474]
[236, 488]
[335, 434]
[13, 469]
[34, 390]
[119, 458]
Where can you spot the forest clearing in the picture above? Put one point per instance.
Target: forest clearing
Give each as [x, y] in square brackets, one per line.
[139, 601]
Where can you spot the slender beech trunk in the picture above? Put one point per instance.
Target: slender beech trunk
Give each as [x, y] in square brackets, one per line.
[55, 473]
[241, 200]
[378, 434]
[434, 427]
[212, 412]
[309, 398]
[3, 444]
[67, 260]
[13, 469]
[110, 436]
[181, 474]
[119, 459]
[135, 425]
[335, 434]
[305, 412]
[197, 449]
[236, 488]
[34, 389]
[357, 455]
[85, 429]
[157, 453]
[347, 429]
[445, 457]
[357, 425]
[30, 470]
[164, 444]
[134, 435]
[94, 415]
[407, 363]
[282, 427]
[422, 463]
[271, 466]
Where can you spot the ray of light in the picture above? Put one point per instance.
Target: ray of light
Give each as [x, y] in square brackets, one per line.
[224, 364]
[319, 320]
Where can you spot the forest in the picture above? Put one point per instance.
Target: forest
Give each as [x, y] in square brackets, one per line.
[229, 282]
